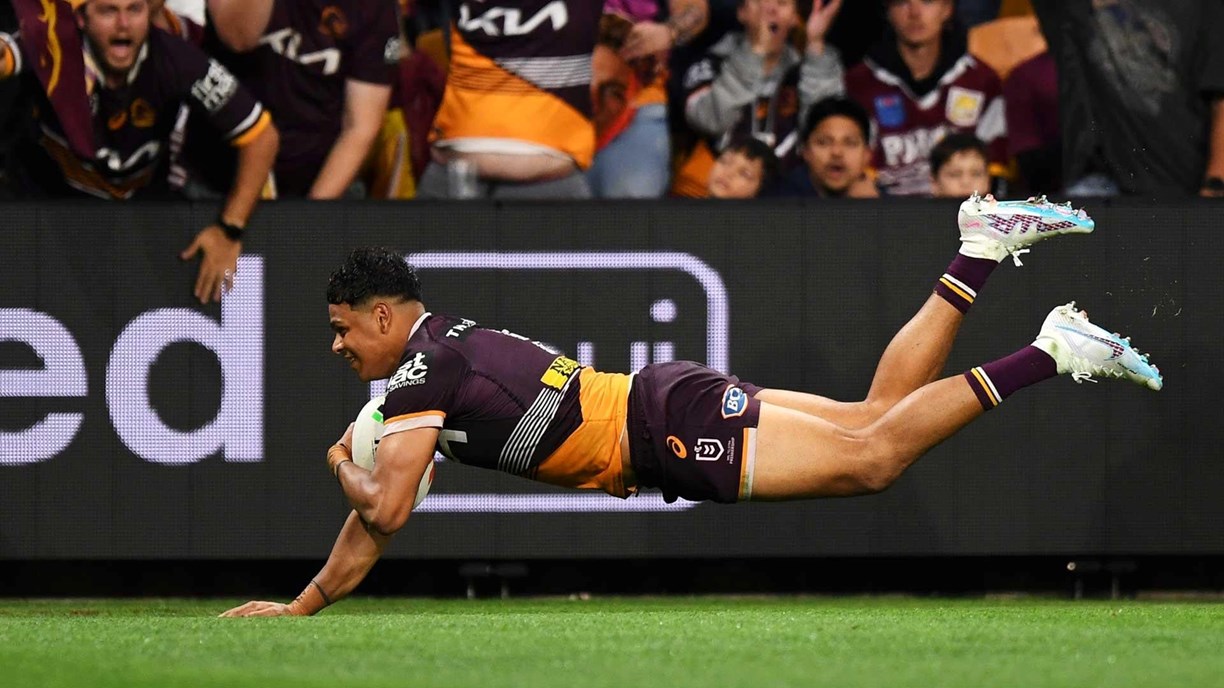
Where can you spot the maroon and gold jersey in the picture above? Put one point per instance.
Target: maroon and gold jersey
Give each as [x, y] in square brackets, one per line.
[507, 403]
[132, 124]
[968, 98]
[307, 53]
[520, 72]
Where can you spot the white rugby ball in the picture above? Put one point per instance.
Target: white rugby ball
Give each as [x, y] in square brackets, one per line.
[368, 431]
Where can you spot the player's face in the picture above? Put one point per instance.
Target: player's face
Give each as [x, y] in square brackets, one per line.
[116, 29]
[735, 175]
[364, 340]
[963, 174]
[919, 22]
[836, 154]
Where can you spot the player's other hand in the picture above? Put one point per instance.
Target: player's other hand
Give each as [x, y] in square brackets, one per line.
[255, 608]
[218, 265]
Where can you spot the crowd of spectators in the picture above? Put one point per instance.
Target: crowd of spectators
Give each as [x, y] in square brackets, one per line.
[240, 100]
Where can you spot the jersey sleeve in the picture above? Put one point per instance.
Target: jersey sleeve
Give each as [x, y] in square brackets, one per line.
[10, 55]
[374, 52]
[422, 391]
[215, 92]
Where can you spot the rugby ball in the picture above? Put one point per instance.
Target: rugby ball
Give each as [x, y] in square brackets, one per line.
[367, 432]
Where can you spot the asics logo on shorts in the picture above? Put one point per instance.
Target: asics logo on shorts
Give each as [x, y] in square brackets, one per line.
[677, 447]
[734, 402]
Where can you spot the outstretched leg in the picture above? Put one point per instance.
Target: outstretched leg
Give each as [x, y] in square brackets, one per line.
[990, 231]
[799, 455]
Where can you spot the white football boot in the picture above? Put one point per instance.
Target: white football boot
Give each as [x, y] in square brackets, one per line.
[1084, 350]
[995, 229]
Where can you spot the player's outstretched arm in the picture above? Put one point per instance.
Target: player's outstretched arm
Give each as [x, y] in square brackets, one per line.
[356, 550]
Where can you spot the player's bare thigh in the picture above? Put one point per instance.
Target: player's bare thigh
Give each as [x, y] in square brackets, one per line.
[847, 414]
[801, 455]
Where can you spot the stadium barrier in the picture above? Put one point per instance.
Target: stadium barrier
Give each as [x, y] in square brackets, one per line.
[137, 424]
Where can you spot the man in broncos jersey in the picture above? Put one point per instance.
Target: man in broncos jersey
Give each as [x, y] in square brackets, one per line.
[497, 400]
[324, 70]
[136, 81]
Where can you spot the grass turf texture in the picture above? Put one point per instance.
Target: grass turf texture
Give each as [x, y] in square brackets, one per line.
[616, 642]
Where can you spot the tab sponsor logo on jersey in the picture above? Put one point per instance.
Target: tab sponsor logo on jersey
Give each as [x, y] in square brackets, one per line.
[708, 449]
[559, 372]
[412, 372]
[734, 402]
[964, 106]
[461, 329]
[890, 111]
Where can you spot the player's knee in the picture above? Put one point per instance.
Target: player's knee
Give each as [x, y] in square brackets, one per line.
[878, 469]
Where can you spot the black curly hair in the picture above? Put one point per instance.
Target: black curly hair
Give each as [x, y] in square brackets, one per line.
[370, 272]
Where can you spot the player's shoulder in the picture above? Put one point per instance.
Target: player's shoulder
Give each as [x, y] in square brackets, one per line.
[432, 355]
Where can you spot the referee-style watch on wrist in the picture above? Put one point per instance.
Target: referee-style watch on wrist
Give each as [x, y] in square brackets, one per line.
[234, 232]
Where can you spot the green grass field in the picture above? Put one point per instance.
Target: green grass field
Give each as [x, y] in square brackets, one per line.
[674, 642]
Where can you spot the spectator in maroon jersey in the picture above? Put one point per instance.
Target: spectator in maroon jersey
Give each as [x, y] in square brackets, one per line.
[137, 79]
[1033, 137]
[919, 83]
[836, 150]
[958, 167]
[324, 69]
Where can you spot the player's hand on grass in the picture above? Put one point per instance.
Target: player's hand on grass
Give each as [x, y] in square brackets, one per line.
[256, 608]
[218, 265]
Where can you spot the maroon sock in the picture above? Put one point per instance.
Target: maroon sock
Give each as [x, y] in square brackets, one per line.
[962, 281]
[997, 380]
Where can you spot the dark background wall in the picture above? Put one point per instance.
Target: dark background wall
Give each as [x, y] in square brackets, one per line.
[787, 295]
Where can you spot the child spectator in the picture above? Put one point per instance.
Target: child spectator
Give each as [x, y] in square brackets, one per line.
[958, 167]
[742, 170]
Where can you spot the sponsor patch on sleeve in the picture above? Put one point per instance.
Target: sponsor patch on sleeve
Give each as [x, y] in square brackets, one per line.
[559, 372]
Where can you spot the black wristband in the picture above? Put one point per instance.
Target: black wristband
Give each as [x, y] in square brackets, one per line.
[323, 594]
[234, 232]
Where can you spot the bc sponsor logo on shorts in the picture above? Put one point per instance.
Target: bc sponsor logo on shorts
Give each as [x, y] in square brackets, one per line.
[677, 447]
[734, 402]
[708, 449]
